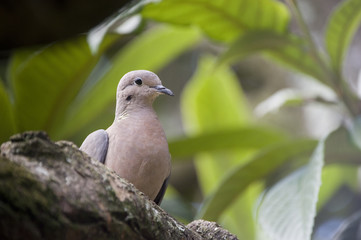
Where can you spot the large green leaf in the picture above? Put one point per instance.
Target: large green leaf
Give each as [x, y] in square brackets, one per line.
[7, 121]
[213, 101]
[46, 80]
[288, 50]
[151, 50]
[288, 209]
[18, 59]
[258, 167]
[340, 30]
[238, 138]
[222, 20]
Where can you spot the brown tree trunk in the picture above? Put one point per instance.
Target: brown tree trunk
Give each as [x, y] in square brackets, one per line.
[54, 191]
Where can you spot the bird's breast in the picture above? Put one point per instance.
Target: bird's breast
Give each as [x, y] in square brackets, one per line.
[138, 151]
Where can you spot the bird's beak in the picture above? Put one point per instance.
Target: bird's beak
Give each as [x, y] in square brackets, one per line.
[164, 90]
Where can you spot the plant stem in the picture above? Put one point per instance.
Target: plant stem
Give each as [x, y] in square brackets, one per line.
[332, 79]
[304, 28]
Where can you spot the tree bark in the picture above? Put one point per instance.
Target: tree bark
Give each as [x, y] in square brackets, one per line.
[54, 191]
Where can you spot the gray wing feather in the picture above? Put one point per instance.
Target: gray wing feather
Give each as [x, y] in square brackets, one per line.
[158, 199]
[96, 145]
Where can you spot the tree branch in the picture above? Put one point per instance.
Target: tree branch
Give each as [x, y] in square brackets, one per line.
[54, 191]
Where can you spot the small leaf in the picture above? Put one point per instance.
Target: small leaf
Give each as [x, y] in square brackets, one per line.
[222, 20]
[342, 25]
[288, 50]
[7, 121]
[288, 209]
[238, 138]
[258, 167]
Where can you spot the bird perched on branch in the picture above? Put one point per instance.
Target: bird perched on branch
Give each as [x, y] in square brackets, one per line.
[135, 145]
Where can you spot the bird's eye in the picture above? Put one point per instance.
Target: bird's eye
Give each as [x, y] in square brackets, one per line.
[138, 81]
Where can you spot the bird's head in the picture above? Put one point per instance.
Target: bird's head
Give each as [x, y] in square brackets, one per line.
[139, 88]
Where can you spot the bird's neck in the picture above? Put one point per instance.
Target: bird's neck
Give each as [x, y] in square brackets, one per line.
[133, 113]
[132, 106]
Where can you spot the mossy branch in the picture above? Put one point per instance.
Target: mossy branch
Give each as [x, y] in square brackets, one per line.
[54, 191]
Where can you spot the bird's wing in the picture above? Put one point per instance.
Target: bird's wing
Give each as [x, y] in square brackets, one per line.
[158, 199]
[96, 145]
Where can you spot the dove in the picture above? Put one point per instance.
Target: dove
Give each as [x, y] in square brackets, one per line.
[135, 145]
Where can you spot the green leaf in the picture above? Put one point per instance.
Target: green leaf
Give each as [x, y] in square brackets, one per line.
[288, 50]
[342, 26]
[46, 80]
[213, 102]
[258, 167]
[151, 51]
[288, 209]
[7, 122]
[222, 20]
[237, 138]
[213, 99]
[17, 61]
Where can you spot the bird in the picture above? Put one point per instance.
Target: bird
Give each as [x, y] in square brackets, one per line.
[135, 145]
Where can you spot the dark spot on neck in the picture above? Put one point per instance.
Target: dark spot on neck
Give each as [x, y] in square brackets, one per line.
[129, 98]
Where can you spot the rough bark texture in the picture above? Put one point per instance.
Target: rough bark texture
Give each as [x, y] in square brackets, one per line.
[210, 230]
[54, 191]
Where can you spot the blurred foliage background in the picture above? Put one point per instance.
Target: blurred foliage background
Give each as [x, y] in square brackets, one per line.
[265, 129]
